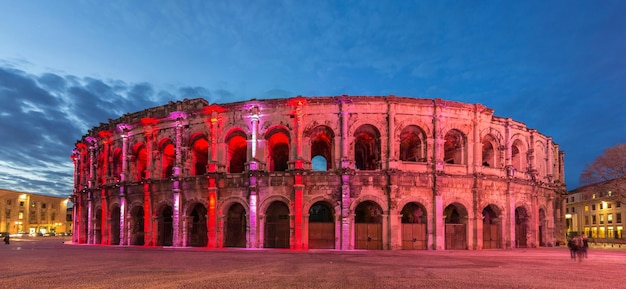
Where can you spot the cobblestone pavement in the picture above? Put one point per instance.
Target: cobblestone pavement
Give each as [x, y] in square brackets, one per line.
[46, 262]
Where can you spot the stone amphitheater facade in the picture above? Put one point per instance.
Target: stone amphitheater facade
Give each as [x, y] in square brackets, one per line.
[342, 172]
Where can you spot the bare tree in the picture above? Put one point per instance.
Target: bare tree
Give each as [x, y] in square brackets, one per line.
[608, 173]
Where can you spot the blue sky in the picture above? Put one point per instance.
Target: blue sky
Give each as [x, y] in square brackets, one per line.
[66, 66]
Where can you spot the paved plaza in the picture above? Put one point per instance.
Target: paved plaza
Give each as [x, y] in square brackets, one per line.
[49, 262]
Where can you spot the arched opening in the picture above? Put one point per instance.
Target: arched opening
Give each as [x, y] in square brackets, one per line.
[367, 148]
[412, 144]
[198, 226]
[97, 227]
[368, 231]
[117, 163]
[456, 227]
[200, 149]
[521, 227]
[492, 234]
[414, 227]
[278, 145]
[236, 226]
[141, 161]
[277, 226]
[115, 225]
[136, 226]
[489, 154]
[165, 228]
[454, 148]
[542, 227]
[321, 226]
[517, 156]
[168, 159]
[321, 148]
[83, 230]
[237, 152]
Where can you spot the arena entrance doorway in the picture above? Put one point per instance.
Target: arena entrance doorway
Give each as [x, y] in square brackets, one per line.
[236, 226]
[413, 227]
[368, 226]
[491, 229]
[136, 226]
[165, 231]
[321, 227]
[198, 226]
[277, 226]
[456, 227]
[115, 225]
[521, 227]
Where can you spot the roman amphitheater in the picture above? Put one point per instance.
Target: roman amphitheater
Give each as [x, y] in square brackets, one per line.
[343, 173]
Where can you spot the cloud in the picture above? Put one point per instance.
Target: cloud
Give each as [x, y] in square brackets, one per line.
[41, 118]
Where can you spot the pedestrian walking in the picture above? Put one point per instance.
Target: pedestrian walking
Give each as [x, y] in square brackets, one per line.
[6, 238]
[585, 245]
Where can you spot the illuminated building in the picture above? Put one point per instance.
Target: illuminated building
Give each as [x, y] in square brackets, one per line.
[343, 172]
[596, 212]
[32, 214]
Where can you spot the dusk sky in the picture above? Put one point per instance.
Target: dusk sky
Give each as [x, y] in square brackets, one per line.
[66, 66]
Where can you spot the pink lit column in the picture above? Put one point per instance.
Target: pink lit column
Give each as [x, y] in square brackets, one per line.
[252, 230]
[91, 185]
[346, 241]
[176, 238]
[123, 234]
[212, 187]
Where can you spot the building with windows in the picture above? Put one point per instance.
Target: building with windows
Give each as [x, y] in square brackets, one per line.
[32, 213]
[344, 172]
[595, 211]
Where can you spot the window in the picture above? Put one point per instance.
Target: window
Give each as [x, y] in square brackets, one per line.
[593, 219]
[20, 215]
[53, 216]
[601, 219]
[43, 205]
[593, 196]
[618, 204]
[608, 205]
[618, 218]
[572, 199]
[609, 218]
[573, 209]
[567, 210]
[33, 205]
[8, 202]
[586, 220]
[21, 204]
[593, 207]
[8, 214]
[586, 208]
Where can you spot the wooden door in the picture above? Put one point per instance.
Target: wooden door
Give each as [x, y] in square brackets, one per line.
[368, 236]
[414, 237]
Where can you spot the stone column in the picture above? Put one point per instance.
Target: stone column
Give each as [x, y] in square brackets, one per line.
[91, 184]
[124, 236]
[439, 234]
[176, 238]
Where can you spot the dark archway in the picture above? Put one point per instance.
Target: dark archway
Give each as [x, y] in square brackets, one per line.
[235, 226]
[521, 227]
[321, 226]
[367, 148]
[542, 227]
[368, 221]
[277, 226]
[237, 152]
[414, 227]
[165, 227]
[322, 147]
[198, 226]
[456, 227]
[97, 227]
[412, 145]
[115, 225]
[455, 148]
[492, 233]
[136, 226]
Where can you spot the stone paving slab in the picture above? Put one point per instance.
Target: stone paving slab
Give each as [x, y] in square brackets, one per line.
[50, 263]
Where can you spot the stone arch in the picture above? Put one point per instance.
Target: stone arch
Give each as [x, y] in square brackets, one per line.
[168, 157]
[522, 227]
[322, 141]
[114, 215]
[321, 216]
[456, 220]
[492, 227]
[540, 158]
[519, 151]
[491, 151]
[367, 148]
[543, 225]
[117, 164]
[140, 155]
[414, 219]
[455, 147]
[165, 224]
[368, 223]
[278, 140]
[137, 219]
[237, 144]
[277, 228]
[235, 225]
[413, 144]
[197, 225]
[97, 226]
[199, 145]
